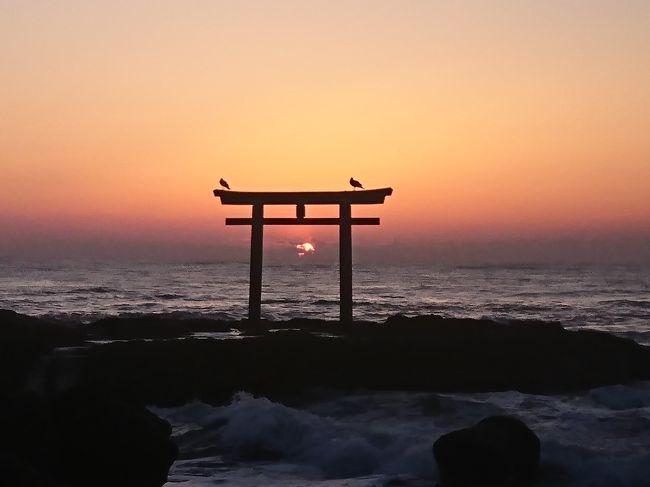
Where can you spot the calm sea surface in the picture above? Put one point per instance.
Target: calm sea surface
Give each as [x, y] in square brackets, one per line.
[614, 298]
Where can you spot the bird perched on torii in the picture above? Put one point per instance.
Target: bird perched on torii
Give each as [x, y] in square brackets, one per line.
[224, 183]
[355, 184]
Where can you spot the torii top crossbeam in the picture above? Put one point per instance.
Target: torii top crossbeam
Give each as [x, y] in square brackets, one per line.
[344, 200]
[365, 197]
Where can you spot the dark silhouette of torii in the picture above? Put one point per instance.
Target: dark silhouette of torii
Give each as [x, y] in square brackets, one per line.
[300, 199]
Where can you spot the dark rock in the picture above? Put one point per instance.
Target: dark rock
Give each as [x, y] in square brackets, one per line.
[16, 472]
[85, 438]
[103, 441]
[416, 354]
[153, 326]
[425, 353]
[498, 451]
[24, 340]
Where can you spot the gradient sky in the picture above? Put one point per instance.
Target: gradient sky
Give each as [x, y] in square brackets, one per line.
[520, 120]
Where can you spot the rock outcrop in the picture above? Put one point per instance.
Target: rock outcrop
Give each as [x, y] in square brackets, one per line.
[411, 354]
[426, 353]
[499, 451]
[83, 438]
[25, 340]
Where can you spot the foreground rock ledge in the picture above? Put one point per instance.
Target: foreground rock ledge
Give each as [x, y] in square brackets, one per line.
[426, 353]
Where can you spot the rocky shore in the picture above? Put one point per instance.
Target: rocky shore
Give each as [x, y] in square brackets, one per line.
[73, 396]
[167, 361]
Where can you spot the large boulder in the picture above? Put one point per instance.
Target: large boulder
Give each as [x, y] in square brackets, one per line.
[84, 438]
[17, 472]
[103, 441]
[498, 451]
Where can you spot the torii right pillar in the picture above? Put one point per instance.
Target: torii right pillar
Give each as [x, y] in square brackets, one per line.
[345, 261]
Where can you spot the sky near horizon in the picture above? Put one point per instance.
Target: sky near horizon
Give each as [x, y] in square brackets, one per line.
[491, 120]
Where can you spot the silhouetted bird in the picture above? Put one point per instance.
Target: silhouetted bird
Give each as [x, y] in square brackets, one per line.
[224, 183]
[355, 184]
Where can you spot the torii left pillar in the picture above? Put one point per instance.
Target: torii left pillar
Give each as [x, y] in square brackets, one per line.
[343, 199]
[257, 253]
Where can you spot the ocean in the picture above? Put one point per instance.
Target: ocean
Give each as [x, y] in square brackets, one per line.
[609, 298]
[598, 437]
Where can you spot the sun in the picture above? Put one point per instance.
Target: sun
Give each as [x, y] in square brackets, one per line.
[305, 248]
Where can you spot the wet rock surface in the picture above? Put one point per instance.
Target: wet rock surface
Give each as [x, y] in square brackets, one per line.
[167, 365]
[498, 451]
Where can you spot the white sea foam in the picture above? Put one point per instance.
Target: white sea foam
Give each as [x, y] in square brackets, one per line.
[368, 439]
[254, 429]
[621, 396]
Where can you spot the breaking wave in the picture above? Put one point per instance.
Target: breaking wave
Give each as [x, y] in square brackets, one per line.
[600, 438]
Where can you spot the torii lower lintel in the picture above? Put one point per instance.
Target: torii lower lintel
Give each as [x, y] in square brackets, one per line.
[344, 200]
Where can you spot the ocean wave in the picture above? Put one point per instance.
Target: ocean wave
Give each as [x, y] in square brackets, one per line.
[73, 317]
[505, 267]
[599, 438]
[183, 315]
[89, 317]
[279, 301]
[92, 290]
[581, 466]
[633, 303]
[169, 296]
[255, 428]
[620, 397]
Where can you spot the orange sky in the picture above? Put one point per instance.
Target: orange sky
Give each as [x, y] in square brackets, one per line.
[489, 119]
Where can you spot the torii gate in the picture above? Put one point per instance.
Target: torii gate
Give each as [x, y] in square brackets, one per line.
[344, 199]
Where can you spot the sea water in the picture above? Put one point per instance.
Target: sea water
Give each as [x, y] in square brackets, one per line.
[610, 298]
[599, 437]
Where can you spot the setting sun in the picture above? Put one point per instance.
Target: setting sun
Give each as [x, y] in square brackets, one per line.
[306, 248]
